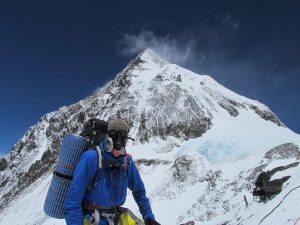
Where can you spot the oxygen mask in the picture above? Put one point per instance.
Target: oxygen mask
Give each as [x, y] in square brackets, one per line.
[118, 138]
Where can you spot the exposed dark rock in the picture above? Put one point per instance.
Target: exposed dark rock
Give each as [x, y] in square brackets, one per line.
[181, 166]
[267, 115]
[49, 157]
[27, 147]
[72, 109]
[265, 187]
[232, 102]
[159, 77]
[229, 108]
[151, 162]
[143, 131]
[23, 146]
[192, 104]
[56, 126]
[187, 130]
[3, 164]
[212, 177]
[122, 81]
[178, 78]
[226, 222]
[55, 144]
[132, 64]
[31, 145]
[284, 151]
[253, 175]
[184, 124]
[16, 150]
[4, 182]
[188, 223]
[81, 117]
[196, 128]
[36, 170]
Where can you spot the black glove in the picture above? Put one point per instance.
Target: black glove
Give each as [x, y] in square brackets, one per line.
[151, 222]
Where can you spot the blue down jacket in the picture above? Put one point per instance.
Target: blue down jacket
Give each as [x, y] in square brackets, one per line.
[109, 188]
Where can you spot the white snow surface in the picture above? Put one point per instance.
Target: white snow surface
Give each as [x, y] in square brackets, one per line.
[216, 178]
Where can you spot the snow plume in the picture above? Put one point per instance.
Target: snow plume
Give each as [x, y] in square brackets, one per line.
[171, 49]
[100, 89]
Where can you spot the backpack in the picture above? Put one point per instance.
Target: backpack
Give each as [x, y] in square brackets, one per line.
[94, 130]
[73, 146]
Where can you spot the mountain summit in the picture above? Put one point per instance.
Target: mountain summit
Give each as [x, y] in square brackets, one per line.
[199, 146]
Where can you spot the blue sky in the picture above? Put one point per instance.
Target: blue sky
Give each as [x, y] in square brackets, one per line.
[55, 53]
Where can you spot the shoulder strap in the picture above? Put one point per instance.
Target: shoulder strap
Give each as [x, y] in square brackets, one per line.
[99, 154]
[98, 150]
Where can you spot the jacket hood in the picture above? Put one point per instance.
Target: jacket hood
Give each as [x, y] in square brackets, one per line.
[109, 156]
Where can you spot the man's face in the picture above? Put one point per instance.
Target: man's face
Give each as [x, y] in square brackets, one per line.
[119, 139]
[116, 153]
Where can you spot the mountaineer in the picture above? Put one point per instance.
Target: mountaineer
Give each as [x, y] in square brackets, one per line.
[96, 193]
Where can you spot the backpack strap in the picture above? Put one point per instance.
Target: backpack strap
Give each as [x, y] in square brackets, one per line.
[98, 150]
[100, 164]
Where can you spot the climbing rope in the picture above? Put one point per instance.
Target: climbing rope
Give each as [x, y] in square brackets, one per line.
[279, 205]
[297, 221]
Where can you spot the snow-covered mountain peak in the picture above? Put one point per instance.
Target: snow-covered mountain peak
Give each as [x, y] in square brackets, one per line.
[197, 143]
[150, 56]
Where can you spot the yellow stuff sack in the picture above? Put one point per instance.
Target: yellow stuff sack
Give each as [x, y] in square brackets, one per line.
[126, 219]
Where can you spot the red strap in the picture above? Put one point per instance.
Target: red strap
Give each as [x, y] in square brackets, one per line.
[297, 221]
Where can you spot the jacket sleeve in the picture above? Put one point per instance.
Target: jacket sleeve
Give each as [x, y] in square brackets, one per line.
[136, 185]
[85, 170]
